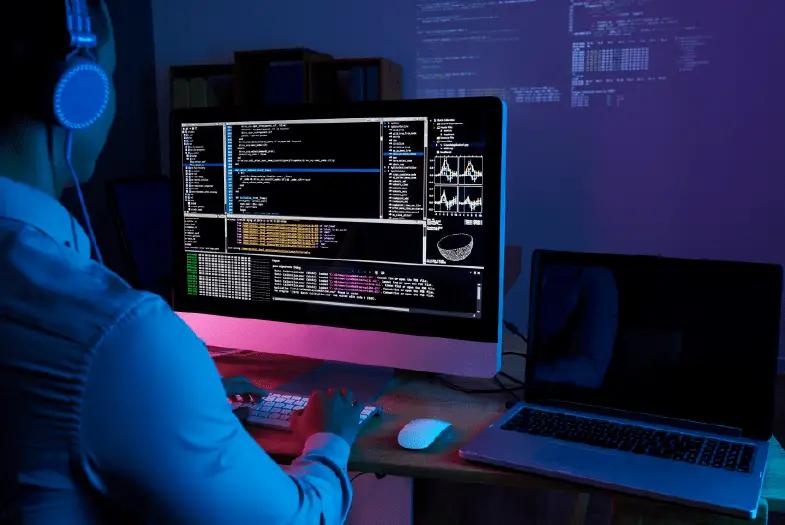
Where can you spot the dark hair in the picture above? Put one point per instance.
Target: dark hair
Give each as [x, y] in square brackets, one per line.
[34, 37]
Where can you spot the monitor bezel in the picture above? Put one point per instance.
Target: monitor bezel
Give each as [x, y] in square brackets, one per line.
[485, 329]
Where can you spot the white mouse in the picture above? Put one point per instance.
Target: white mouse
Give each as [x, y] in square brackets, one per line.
[419, 434]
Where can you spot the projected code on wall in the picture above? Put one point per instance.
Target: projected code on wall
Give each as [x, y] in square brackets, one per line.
[612, 50]
[624, 49]
[459, 49]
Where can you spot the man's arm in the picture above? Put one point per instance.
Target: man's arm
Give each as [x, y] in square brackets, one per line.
[161, 439]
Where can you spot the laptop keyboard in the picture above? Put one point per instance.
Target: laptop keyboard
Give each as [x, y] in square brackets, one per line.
[675, 446]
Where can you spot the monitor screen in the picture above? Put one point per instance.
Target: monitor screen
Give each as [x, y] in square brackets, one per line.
[692, 340]
[377, 216]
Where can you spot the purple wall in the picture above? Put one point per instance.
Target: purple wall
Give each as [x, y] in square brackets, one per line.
[681, 150]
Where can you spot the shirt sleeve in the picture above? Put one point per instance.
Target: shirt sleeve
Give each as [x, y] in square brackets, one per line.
[160, 438]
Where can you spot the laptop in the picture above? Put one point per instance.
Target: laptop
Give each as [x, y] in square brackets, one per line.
[646, 375]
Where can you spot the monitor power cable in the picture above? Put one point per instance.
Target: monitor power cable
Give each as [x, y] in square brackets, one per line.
[514, 330]
[509, 390]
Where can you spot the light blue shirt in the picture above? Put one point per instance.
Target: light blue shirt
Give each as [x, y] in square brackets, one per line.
[108, 401]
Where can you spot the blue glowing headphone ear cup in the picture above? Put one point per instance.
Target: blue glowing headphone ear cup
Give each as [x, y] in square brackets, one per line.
[81, 94]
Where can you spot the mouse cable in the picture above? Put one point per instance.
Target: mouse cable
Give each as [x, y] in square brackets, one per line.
[378, 476]
[514, 330]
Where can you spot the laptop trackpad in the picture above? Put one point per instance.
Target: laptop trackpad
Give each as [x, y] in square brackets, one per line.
[568, 458]
[582, 461]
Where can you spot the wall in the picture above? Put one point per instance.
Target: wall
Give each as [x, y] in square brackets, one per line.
[133, 147]
[691, 166]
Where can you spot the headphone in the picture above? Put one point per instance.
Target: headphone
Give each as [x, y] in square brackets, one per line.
[81, 91]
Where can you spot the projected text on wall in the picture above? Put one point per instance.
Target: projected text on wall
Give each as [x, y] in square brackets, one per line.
[585, 53]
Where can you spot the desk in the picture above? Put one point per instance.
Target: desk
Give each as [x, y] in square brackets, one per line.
[414, 395]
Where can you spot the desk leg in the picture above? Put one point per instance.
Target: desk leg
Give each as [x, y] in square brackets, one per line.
[579, 508]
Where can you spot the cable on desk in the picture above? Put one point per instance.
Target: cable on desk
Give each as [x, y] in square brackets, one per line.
[514, 330]
[507, 376]
[511, 391]
[378, 476]
[478, 390]
[502, 388]
[513, 396]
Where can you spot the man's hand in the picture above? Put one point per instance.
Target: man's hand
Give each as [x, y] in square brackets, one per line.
[242, 386]
[335, 412]
[240, 389]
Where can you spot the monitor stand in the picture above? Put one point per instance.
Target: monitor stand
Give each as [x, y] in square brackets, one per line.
[366, 382]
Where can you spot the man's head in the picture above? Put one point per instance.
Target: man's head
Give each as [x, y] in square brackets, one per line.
[32, 146]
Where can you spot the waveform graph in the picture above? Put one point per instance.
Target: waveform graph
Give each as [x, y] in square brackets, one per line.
[470, 170]
[460, 170]
[446, 170]
[457, 185]
[470, 199]
[446, 199]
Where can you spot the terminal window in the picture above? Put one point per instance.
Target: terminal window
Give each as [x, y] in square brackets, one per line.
[380, 213]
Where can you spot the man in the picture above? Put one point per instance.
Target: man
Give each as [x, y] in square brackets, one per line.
[111, 408]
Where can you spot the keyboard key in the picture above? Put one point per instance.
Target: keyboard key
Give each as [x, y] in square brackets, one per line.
[275, 411]
[674, 446]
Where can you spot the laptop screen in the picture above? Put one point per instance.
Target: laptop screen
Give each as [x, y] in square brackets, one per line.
[683, 339]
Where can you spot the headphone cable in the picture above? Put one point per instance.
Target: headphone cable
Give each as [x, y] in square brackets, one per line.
[69, 142]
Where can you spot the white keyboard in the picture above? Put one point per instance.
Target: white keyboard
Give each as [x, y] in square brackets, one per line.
[275, 410]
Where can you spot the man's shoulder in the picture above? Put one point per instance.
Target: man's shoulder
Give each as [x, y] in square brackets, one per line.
[51, 292]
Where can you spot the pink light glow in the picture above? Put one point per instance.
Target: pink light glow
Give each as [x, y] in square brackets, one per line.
[410, 352]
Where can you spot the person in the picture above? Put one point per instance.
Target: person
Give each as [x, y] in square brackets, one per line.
[112, 410]
[578, 320]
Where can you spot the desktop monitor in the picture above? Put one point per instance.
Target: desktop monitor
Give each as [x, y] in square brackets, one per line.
[369, 234]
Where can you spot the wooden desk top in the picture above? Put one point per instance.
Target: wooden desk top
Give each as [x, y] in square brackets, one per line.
[414, 396]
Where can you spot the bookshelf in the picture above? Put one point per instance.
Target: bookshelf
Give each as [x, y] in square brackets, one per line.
[285, 76]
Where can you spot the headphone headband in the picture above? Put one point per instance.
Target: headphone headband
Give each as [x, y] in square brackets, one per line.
[79, 26]
[82, 89]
